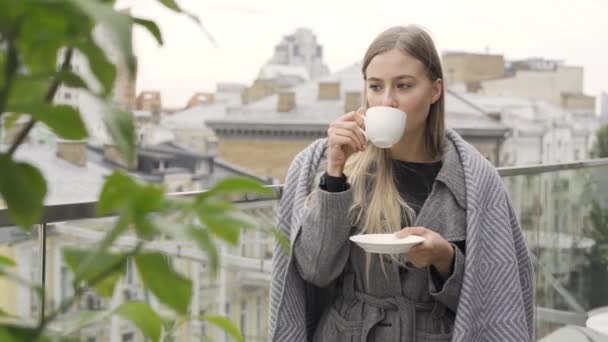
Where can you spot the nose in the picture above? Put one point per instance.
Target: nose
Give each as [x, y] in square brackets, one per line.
[388, 98]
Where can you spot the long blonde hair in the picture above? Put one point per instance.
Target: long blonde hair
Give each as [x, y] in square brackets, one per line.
[378, 206]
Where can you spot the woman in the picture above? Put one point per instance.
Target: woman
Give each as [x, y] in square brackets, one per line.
[471, 278]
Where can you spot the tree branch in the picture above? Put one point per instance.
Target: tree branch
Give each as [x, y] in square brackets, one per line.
[50, 95]
[11, 67]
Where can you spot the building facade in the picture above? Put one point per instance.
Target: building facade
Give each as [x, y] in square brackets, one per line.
[264, 136]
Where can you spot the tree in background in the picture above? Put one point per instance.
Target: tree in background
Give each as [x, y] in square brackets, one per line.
[600, 149]
[598, 256]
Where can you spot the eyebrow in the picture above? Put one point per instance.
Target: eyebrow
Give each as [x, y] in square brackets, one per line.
[376, 79]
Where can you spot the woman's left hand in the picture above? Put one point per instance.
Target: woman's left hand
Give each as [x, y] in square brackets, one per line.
[435, 250]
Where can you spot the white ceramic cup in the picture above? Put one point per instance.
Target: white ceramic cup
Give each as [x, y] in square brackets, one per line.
[384, 126]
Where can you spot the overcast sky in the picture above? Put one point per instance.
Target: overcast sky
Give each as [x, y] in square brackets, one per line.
[246, 32]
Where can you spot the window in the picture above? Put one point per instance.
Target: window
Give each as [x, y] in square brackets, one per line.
[227, 309]
[258, 316]
[91, 302]
[203, 312]
[244, 317]
[320, 51]
[243, 241]
[296, 50]
[128, 337]
[67, 95]
[66, 283]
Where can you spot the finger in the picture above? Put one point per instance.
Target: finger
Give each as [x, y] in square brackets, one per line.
[356, 130]
[417, 248]
[355, 116]
[344, 132]
[359, 117]
[350, 116]
[343, 138]
[421, 231]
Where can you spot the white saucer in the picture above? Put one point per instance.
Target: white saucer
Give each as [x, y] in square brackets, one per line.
[386, 243]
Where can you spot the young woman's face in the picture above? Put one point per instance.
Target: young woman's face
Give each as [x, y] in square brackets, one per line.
[396, 79]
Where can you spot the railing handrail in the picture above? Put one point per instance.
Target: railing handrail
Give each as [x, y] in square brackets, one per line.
[86, 209]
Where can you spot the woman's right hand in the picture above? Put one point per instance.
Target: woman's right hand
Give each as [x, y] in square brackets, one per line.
[345, 137]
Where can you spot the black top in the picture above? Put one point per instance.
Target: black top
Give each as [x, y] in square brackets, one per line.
[414, 181]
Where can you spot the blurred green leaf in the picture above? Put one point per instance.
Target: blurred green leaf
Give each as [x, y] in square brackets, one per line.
[171, 288]
[102, 68]
[121, 225]
[172, 5]
[115, 193]
[118, 26]
[236, 185]
[42, 35]
[121, 128]
[225, 324]
[2, 73]
[6, 261]
[121, 193]
[145, 227]
[226, 231]
[151, 27]
[23, 188]
[10, 11]
[146, 319]
[10, 119]
[62, 119]
[110, 264]
[204, 241]
[224, 219]
[70, 79]
[147, 198]
[15, 333]
[26, 91]
[282, 239]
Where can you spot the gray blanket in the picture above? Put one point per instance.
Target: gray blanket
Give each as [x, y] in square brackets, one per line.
[497, 295]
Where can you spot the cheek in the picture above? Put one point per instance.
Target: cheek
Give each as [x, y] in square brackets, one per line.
[373, 100]
[416, 105]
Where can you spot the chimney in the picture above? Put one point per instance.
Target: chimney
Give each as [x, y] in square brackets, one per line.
[287, 102]
[352, 102]
[73, 151]
[111, 153]
[149, 100]
[329, 90]
[201, 99]
[496, 116]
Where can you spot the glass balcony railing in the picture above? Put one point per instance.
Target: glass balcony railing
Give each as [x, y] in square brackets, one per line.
[563, 210]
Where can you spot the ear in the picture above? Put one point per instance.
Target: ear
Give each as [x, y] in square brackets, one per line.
[437, 89]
